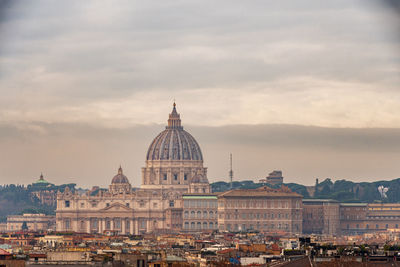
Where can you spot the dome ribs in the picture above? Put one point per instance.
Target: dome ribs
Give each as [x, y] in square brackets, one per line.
[174, 143]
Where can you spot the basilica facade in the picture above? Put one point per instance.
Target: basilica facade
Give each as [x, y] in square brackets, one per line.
[174, 166]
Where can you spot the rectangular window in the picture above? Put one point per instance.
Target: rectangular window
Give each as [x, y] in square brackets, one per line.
[67, 204]
[175, 177]
[171, 203]
[185, 177]
[127, 204]
[67, 224]
[165, 177]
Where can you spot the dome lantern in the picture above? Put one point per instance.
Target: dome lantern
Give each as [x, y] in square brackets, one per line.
[174, 120]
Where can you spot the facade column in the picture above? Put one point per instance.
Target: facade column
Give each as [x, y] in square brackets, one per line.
[99, 225]
[103, 222]
[112, 224]
[123, 226]
[74, 225]
[149, 226]
[131, 226]
[88, 226]
[136, 227]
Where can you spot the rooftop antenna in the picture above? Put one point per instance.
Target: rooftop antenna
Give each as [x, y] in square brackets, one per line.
[231, 173]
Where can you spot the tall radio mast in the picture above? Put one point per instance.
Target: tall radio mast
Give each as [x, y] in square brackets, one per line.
[231, 172]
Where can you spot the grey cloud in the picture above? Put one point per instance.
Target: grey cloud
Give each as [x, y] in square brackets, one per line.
[89, 155]
[128, 50]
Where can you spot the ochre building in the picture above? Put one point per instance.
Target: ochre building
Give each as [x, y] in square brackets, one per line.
[263, 209]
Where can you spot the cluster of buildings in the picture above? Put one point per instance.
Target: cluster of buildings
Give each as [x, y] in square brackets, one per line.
[175, 195]
[196, 249]
[330, 217]
[174, 219]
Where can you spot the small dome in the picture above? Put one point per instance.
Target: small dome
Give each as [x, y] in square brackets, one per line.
[120, 178]
[174, 143]
[41, 181]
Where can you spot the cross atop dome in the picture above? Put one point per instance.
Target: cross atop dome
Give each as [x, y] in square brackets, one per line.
[174, 120]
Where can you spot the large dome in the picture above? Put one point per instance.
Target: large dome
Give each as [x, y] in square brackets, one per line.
[174, 143]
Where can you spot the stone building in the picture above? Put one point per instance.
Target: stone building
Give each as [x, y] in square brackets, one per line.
[44, 191]
[357, 218]
[174, 166]
[200, 212]
[34, 222]
[326, 216]
[263, 209]
[352, 217]
[174, 160]
[382, 216]
[275, 178]
[321, 216]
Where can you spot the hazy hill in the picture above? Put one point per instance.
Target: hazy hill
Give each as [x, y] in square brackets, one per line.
[341, 190]
[18, 199]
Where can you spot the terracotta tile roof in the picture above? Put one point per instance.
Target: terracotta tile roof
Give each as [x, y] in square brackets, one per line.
[4, 253]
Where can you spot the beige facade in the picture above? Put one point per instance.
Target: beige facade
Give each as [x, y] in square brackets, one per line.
[321, 216]
[200, 212]
[264, 209]
[364, 218]
[34, 222]
[174, 166]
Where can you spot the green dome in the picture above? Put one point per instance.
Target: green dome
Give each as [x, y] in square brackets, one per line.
[41, 181]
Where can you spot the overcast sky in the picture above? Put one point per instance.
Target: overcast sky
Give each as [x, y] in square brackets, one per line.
[309, 87]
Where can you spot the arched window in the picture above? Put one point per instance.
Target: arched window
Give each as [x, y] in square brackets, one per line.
[186, 225]
[186, 214]
[198, 214]
[192, 225]
[204, 214]
[205, 225]
[198, 225]
[211, 215]
[192, 214]
[211, 225]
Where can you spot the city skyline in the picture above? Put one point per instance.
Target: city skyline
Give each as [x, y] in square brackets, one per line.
[307, 88]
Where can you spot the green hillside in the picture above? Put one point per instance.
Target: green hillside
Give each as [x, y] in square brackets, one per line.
[18, 199]
[341, 190]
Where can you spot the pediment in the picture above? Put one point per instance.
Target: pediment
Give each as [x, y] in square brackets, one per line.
[117, 207]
